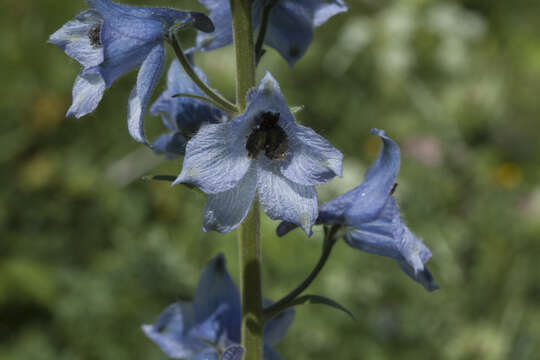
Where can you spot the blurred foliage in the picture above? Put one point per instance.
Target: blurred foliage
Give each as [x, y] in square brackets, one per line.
[89, 251]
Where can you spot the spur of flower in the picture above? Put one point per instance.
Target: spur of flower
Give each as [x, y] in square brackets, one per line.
[262, 152]
[209, 326]
[182, 116]
[110, 39]
[371, 214]
[290, 25]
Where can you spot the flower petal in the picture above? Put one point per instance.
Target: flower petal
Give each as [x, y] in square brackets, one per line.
[147, 79]
[283, 199]
[215, 289]
[169, 330]
[324, 9]
[216, 158]
[389, 236]
[424, 277]
[276, 328]
[290, 30]
[365, 202]
[88, 90]
[312, 159]
[73, 38]
[220, 14]
[172, 144]
[233, 352]
[225, 211]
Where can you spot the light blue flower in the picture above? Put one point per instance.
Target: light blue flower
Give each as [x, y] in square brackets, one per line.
[373, 216]
[210, 325]
[263, 151]
[111, 39]
[182, 116]
[290, 27]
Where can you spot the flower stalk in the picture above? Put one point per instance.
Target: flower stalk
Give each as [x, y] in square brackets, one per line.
[215, 98]
[249, 237]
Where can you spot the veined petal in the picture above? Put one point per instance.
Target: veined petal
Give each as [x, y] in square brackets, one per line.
[226, 210]
[364, 203]
[389, 236]
[215, 289]
[290, 30]
[220, 14]
[73, 37]
[169, 331]
[216, 158]
[233, 352]
[147, 79]
[312, 159]
[283, 199]
[276, 328]
[88, 90]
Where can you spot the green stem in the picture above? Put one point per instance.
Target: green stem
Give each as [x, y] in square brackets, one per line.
[249, 239]
[287, 301]
[218, 100]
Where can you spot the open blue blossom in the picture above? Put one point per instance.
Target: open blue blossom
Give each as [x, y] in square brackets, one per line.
[290, 27]
[211, 324]
[111, 39]
[182, 116]
[263, 151]
[372, 213]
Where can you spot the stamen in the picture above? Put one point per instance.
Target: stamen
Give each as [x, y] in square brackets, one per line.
[268, 136]
[94, 35]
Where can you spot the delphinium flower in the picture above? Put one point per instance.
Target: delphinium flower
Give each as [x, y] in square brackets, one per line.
[263, 151]
[290, 26]
[371, 214]
[110, 39]
[206, 327]
[182, 116]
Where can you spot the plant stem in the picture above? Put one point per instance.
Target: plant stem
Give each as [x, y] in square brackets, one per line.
[249, 239]
[285, 302]
[219, 100]
[259, 51]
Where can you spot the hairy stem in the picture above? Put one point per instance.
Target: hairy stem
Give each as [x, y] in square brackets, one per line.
[287, 301]
[249, 239]
[216, 98]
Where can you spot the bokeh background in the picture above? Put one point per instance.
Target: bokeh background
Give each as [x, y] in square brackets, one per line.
[89, 251]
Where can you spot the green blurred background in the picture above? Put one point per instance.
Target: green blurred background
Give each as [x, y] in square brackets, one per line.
[89, 251]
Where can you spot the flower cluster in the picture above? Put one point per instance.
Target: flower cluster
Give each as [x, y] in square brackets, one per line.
[208, 326]
[238, 157]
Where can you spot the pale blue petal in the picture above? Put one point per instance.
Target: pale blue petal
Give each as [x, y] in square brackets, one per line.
[276, 328]
[220, 14]
[233, 352]
[324, 9]
[73, 38]
[283, 199]
[169, 331]
[311, 160]
[389, 236]
[365, 202]
[290, 30]
[88, 90]
[215, 289]
[147, 79]
[225, 211]
[206, 354]
[216, 158]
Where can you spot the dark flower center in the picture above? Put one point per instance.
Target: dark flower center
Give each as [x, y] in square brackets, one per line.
[268, 136]
[93, 35]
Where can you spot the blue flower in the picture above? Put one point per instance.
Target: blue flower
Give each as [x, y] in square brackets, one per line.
[371, 212]
[209, 325]
[111, 39]
[182, 116]
[290, 27]
[262, 151]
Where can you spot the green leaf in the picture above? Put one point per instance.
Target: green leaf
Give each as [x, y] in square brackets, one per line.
[317, 299]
